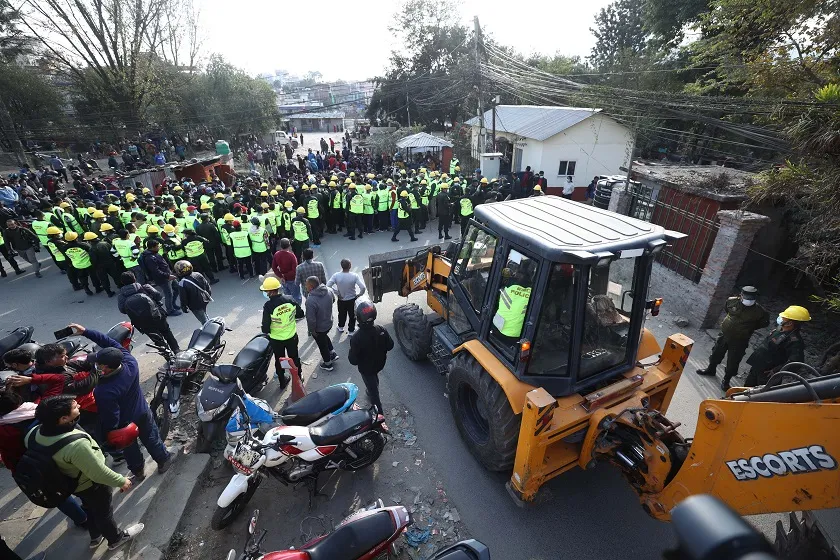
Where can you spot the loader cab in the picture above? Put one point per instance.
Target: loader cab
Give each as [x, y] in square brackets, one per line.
[555, 289]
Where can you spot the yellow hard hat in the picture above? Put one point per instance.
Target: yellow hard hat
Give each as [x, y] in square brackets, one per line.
[177, 188]
[52, 230]
[352, 174]
[264, 205]
[444, 185]
[91, 209]
[273, 192]
[264, 186]
[333, 178]
[270, 284]
[90, 236]
[290, 189]
[444, 176]
[205, 206]
[288, 204]
[371, 176]
[168, 228]
[423, 182]
[146, 191]
[404, 194]
[484, 180]
[64, 205]
[219, 195]
[152, 229]
[300, 210]
[493, 180]
[368, 187]
[304, 187]
[105, 227]
[457, 168]
[347, 181]
[71, 236]
[537, 188]
[112, 208]
[402, 171]
[98, 214]
[229, 217]
[130, 197]
[264, 193]
[422, 170]
[796, 313]
[351, 186]
[390, 181]
[323, 182]
[332, 184]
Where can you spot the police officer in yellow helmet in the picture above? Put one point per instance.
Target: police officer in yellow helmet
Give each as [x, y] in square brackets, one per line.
[279, 322]
[782, 346]
[513, 303]
[78, 253]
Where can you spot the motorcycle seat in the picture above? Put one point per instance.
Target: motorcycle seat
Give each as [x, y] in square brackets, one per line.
[119, 332]
[206, 337]
[226, 373]
[314, 405]
[340, 427]
[354, 539]
[12, 340]
[252, 352]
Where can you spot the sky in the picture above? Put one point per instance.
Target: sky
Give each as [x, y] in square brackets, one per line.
[350, 40]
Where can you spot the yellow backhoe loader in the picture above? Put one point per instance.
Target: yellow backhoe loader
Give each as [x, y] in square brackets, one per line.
[538, 324]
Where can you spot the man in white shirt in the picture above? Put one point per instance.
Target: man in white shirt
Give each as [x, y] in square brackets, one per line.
[348, 286]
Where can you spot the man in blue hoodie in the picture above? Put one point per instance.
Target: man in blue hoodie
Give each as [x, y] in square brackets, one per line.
[120, 401]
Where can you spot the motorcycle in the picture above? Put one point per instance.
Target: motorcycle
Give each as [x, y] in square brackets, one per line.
[183, 372]
[364, 535]
[349, 441]
[311, 410]
[76, 347]
[247, 374]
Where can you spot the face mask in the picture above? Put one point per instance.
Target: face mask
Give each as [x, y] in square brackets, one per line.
[265, 295]
[779, 320]
[748, 302]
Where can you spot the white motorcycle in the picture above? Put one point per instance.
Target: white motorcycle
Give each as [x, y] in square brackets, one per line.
[349, 441]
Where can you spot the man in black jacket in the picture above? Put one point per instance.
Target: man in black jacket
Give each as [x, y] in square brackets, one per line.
[208, 230]
[369, 347]
[25, 243]
[142, 303]
[194, 289]
[157, 270]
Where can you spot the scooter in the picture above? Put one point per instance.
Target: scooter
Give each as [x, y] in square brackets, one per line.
[311, 410]
[76, 347]
[184, 371]
[372, 532]
[349, 441]
[247, 374]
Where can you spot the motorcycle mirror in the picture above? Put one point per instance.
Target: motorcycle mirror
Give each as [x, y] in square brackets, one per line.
[252, 527]
[231, 555]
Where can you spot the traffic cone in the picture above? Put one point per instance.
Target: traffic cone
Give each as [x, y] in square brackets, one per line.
[298, 391]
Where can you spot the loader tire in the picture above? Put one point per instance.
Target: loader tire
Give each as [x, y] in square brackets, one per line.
[483, 414]
[414, 332]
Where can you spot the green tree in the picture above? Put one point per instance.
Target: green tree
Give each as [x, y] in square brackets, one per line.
[620, 36]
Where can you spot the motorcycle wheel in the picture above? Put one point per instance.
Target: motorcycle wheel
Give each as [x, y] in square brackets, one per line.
[202, 443]
[162, 414]
[224, 516]
[368, 449]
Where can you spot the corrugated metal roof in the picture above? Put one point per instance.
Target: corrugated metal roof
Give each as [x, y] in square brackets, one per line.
[423, 140]
[534, 121]
[319, 115]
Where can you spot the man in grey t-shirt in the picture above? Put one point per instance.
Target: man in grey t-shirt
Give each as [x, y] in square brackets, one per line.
[348, 286]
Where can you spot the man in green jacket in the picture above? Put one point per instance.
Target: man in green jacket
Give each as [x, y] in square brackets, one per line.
[82, 459]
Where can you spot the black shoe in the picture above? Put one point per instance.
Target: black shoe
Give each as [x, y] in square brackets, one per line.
[77, 288]
[232, 270]
[447, 237]
[214, 281]
[164, 466]
[3, 274]
[111, 294]
[352, 239]
[440, 236]
[38, 275]
[138, 476]
[360, 236]
[242, 277]
[706, 372]
[724, 385]
[18, 271]
[100, 290]
[394, 239]
[251, 277]
[88, 292]
[414, 239]
[62, 271]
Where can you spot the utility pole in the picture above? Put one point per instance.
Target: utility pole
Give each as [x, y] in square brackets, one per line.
[407, 109]
[495, 102]
[478, 112]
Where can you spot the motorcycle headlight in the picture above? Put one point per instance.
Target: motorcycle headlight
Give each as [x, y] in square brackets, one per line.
[208, 415]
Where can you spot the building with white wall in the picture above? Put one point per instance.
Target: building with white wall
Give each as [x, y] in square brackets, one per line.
[561, 141]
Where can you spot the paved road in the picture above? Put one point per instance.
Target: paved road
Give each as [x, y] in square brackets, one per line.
[589, 514]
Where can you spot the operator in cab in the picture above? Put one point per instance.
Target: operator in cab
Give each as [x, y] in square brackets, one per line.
[783, 345]
[513, 303]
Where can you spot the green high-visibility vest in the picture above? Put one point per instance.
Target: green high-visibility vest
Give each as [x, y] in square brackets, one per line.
[401, 214]
[299, 227]
[367, 198]
[283, 322]
[168, 214]
[125, 248]
[125, 216]
[258, 243]
[312, 209]
[453, 163]
[73, 223]
[189, 222]
[413, 200]
[287, 220]
[184, 207]
[194, 248]
[152, 220]
[424, 196]
[357, 204]
[513, 301]
[383, 198]
[79, 257]
[204, 198]
[466, 207]
[241, 247]
[40, 229]
[336, 203]
[182, 223]
[54, 251]
[2, 241]
[225, 236]
[178, 253]
[219, 223]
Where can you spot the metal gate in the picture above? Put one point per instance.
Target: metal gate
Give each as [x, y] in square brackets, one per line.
[693, 215]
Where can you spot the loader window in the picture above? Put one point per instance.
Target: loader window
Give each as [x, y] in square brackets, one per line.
[511, 306]
[474, 263]
[550, 355]
[605, 325]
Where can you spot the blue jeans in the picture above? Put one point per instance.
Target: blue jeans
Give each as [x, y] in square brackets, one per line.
[71, 508]
[169, 289]
[201, 315]
[291, 289]
[150, 437]
[394, 219]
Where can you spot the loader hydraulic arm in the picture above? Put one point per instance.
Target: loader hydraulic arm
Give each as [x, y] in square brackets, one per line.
[407, 271]
[771, 450]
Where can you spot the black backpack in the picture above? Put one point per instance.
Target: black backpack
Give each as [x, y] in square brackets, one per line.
[141, 309]
[38, 476]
